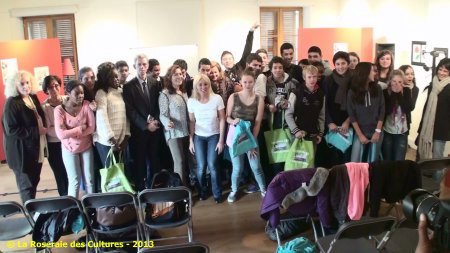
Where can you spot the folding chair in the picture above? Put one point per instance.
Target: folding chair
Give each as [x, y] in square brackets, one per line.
[358, 236]
[400, 240]
[182, 199]
[179, 248]
[93, 201]
[57, 204]
[14, 222]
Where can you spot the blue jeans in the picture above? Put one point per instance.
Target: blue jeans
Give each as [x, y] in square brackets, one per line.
[103, 151]
[394, 146]
[238, 165]
[369, 152]
[438, 148]
[205, 154]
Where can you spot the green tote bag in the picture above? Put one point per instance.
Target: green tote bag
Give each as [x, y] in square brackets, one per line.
[278, 142]
[300, 156]
[112, 177]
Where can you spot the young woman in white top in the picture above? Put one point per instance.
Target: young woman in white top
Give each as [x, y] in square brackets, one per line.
[113, 128]
[207, 127]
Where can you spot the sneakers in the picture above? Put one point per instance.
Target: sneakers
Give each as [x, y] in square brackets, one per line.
[251, 188]
[232, 197]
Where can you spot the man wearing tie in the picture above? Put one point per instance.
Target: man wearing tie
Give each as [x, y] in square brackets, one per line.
[141, 101]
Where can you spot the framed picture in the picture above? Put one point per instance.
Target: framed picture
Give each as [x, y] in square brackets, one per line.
[385, 46]
[440, 53]
[417, 57]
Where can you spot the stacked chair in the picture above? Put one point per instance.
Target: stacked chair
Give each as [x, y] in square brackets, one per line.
[17, 221]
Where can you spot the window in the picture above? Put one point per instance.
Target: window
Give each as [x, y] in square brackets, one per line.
[279, 25]
[55, 26]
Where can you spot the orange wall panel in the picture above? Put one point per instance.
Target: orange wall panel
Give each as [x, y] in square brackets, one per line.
[30, 54]
[359, 40]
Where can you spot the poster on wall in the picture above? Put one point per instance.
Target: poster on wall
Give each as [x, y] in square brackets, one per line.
[417, 48]
[9, 68]
[40, 73]
[340, 46]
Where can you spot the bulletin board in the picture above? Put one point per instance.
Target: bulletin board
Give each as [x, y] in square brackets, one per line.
[33, 56]
[359, 40]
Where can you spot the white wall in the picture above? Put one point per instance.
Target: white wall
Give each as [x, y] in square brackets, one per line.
[207, 27]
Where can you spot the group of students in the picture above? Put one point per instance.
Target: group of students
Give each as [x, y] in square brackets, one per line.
[155, 120]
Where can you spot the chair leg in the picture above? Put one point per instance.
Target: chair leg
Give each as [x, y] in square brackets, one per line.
[190, 233]
[278, 237]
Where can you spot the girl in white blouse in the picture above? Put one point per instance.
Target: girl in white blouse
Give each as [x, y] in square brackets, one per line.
[113, 128]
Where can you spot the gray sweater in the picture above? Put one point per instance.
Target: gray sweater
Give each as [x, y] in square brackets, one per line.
[368, 114]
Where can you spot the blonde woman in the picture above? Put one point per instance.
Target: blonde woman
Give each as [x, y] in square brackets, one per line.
[207, 127]
[24, 133]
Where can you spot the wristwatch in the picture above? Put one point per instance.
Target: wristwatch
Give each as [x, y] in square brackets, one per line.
[378, 130]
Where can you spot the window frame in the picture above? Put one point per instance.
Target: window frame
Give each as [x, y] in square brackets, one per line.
[280, 26]
[50, 31]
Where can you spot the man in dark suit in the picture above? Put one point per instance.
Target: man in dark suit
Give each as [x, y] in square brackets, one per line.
[141, 102]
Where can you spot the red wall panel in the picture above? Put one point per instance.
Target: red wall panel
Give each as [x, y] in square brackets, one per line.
[30, 54]
[359, 40]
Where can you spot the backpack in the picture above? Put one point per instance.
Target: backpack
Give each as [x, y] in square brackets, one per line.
[166, 211]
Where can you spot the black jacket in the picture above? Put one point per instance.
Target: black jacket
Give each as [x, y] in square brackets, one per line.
[21, 133]
[138, 108]
[392, 180]
[339, 184]
[404, 101]
[234, 74]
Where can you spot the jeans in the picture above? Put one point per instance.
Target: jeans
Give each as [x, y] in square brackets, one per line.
[369, 152]
[438, 148]
[206, 154]
[56, 163]
[103, 151]
[394, 146]
[78, 166]
[238, 164]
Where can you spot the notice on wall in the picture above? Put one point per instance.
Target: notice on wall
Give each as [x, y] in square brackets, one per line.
[340, 46]
[40, 73]
[9, 68]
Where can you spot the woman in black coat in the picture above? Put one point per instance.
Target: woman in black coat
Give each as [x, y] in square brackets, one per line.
[24, 133]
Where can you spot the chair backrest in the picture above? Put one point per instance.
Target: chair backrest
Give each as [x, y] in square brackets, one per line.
[434, 164]
[365, 228]
[14, 221]
[98, 206]
[179, 248]
[8, 208]
[172, 194]
[53, 204]
[96, 200]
